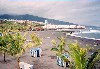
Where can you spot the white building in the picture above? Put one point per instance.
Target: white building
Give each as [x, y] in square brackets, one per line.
[49, 26]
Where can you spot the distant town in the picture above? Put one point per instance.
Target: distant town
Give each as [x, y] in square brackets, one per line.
[45, 25]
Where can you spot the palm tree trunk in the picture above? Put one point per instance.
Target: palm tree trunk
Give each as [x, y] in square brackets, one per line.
[18, 61]
[4, 56]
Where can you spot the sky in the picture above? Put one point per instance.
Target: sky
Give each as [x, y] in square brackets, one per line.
[83, 12]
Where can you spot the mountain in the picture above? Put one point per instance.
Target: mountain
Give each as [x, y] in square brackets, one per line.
[33, 18]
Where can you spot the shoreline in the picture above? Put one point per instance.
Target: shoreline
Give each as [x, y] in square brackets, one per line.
[84, 37]
[95, 44]
[47, 60]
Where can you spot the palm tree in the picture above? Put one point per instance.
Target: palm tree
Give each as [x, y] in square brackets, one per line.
[4, 44]
[95, 57]
[79, 59]
[5, 29]
[36, 40]
[4, 39]
[18, 46]
[60, 48]
[14, 44]
[78, 55]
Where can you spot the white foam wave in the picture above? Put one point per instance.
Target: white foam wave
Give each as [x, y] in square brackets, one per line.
[95, 31]
[91, 31]
[84, 37]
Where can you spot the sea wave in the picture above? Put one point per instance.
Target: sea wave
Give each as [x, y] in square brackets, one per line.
[84, 37]
[91, 31]
[91, 34]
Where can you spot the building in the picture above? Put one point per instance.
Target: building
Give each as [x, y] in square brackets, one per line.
[50, 26]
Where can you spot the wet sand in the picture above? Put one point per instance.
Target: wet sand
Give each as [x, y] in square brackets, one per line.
[84, 41]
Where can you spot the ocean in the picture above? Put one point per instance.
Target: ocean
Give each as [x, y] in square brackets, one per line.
[91, 32]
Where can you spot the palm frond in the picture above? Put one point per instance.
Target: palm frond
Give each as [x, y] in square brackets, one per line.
[78, 55]
[54, 49]
[95, 57]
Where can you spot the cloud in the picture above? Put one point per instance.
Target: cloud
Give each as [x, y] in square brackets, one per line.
[83, 12]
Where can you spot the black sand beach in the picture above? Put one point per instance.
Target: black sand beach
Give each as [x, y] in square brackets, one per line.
[48, 58]
[95, 44]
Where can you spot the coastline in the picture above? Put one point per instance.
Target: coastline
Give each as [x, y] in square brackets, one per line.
[93, 43]
[48, 58]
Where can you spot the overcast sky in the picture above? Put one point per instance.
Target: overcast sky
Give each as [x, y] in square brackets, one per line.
[84, 12]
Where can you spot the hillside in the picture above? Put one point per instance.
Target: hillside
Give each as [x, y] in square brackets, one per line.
[33, 18]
